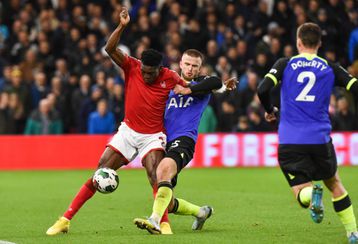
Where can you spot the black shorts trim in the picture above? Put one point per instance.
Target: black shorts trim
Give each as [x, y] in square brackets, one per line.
[181, 150]
[302, 163]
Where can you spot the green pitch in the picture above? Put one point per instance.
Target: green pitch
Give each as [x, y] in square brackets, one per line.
[251, 206]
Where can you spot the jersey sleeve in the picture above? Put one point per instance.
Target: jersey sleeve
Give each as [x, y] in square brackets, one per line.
[342, 77]
[271, 79]
[206, 85]
[276, 72]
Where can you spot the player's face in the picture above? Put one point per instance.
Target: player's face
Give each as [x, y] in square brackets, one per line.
[190, 67]
[149, 73]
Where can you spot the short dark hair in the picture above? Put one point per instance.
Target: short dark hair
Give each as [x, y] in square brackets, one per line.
[194, 53]
[151, 57]
[310, 35]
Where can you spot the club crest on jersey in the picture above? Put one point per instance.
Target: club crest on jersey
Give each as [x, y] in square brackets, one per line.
[162, 84]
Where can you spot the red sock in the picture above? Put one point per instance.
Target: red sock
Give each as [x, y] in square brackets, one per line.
[85, 193]
[165, 217]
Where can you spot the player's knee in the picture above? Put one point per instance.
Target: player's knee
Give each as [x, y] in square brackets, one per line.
[164, 172]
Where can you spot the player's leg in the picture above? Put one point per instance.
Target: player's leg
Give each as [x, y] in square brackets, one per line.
[117, 153]
[297, 166]
[151, 149]
[343, 206]
[162, 199]
[180, 152]
[150, 162]
[167, 177]
[109, 159]
[292, 164]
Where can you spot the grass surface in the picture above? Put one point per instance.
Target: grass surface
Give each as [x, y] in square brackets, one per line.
[251, 206]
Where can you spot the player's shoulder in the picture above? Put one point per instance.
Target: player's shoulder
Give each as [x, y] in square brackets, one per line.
[283, 61]
[166, 70]
[334, 65]
[168, 73]
[132, 60]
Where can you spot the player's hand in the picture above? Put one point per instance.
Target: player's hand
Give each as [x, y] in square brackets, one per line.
[231, 83]
[178, 89]
[271, 117]
[124, 17]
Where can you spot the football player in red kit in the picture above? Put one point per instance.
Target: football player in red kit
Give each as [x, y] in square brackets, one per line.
[147, 86]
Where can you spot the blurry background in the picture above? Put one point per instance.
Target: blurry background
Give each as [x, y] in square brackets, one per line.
[52, 63]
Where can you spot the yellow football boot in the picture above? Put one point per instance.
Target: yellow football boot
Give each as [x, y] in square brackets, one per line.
[61, 226]
[165, 228]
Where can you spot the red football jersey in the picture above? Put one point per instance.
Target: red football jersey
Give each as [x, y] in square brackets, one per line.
[144, 103]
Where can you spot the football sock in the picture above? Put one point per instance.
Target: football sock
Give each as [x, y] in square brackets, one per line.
[85, 193]
[344, 209]
[165, 217]
[162, 200]
[182, 207]
[304, 196]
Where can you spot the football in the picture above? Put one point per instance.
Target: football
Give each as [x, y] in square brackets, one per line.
[105, 180]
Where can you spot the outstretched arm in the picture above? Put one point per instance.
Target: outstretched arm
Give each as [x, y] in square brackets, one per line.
[344, 79]
[208, 85]
[111, 47]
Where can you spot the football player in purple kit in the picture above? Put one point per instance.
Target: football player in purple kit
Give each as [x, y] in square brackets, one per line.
[182, 117]
[305, 151]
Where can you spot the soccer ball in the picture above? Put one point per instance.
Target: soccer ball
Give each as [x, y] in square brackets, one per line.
[105, 180]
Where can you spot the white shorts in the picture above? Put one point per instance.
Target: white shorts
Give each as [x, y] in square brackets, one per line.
[130, 143]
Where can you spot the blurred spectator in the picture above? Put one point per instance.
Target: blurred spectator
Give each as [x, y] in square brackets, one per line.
[227, 117]
[29, 66]
[88, 106]
[4, 113]
[288, 51]
[116, 103]
[80, 95]
[353, 45]
[17, 86]
[101, 121]
[257, 122]
[61, 70]
[261, 65]
[224, 67]
[247, 94]
[17, 114]
[344, 119]
[243, 124]
[39, 89]
[194, 36]
[4, 34]
[43, 121]
[212, 53]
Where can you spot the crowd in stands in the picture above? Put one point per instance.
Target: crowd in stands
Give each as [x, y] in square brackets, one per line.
[56, 78]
